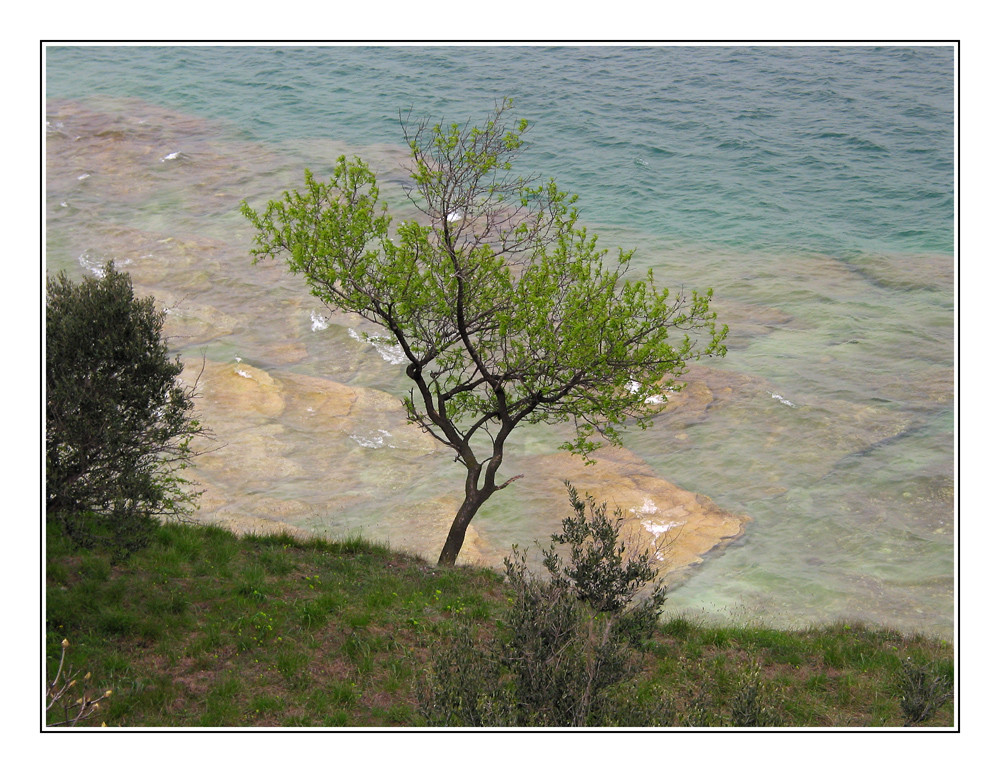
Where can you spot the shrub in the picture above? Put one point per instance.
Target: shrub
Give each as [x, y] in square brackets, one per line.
[563, 654]
[604, 571]
[118, 425]
[464, 687]
[567, 648]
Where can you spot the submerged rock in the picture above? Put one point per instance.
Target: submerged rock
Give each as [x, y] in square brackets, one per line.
[237, 390]
[313, 456]
[679, 527]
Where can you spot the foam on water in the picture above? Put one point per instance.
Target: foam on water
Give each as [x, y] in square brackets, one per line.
[648, 507]
[319, 322]
[390, 352]
[376, 439]
[96, 265]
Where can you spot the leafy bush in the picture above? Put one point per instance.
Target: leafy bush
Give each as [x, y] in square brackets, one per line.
[604, 571]
[118, 425]
[465, 686]
[567, 648]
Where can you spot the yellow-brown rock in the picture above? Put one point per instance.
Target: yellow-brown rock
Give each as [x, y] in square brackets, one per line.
[238, 389]
[681, 525]
[300, 452]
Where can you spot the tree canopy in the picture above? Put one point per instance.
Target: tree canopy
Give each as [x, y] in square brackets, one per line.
[503, 305]
[118, 424]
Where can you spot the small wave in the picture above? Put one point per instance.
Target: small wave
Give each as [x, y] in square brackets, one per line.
[648, 508]
[656, 529]
[853, 141]
[318, 321]
[782, 400]
[379, 439]
[738, 143]
[869, 146]
[634, 386]
[96, 265]
[171, 156]
[93, 266]
[390, 352]
[757, 114]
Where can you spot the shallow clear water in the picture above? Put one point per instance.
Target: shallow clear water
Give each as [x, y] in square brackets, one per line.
[811, 187]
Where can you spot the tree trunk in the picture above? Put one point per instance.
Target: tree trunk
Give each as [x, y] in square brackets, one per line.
[456, 535]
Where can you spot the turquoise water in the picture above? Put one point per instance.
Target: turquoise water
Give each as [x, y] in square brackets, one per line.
[840, 150]
[811, 187]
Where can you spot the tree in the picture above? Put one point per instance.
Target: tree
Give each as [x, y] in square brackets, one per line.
[118, 424]
[501, 302]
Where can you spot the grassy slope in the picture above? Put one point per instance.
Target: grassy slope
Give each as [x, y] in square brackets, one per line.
[206, 629]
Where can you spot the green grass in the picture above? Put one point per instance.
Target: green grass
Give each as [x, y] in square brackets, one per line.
[205, 629]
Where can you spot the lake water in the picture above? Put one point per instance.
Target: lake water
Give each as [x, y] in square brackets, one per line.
[811, 187]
